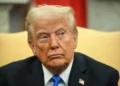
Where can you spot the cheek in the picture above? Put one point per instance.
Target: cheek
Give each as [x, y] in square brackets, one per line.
[42, 50]
[44, 47]
[67, 43]
[67, 46]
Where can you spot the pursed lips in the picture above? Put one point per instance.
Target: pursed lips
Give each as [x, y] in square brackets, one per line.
[55, 55]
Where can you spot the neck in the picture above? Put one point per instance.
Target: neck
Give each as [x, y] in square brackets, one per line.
[56, 70]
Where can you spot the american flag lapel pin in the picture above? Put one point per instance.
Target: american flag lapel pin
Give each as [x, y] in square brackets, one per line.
[81, 81]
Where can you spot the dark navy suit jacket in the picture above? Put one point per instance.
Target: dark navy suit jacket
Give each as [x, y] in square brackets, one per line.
[29, 72]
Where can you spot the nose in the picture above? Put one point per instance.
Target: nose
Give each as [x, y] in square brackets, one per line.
[54, 42]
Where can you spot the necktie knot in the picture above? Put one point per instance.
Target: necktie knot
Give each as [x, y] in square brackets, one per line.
[56, 79]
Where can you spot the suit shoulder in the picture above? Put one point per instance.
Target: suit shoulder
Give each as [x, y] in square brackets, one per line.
[99, 71]
[14, 66]
[97, 66]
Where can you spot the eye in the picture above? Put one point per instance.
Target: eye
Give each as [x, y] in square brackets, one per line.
[61, 33]
[43, 37]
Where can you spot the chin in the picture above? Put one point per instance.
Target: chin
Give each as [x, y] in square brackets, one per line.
[58, 64]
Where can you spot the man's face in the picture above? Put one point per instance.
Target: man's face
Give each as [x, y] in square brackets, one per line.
[53, 42]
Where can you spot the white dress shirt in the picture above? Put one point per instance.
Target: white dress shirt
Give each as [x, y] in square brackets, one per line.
[64, 75]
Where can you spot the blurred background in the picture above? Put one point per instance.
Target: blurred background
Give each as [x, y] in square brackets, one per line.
[103, 15]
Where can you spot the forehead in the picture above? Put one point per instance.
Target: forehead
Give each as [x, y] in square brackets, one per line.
[49, 24]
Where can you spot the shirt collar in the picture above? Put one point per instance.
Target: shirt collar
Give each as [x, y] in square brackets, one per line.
[47, 74]
[64, 75]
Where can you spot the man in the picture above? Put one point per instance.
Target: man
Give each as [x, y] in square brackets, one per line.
[52, 36]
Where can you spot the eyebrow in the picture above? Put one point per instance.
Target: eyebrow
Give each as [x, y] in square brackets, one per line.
[42, 31]
[60, 28]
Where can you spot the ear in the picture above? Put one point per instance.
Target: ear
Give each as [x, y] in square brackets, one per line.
[32, 46]
[75, 40]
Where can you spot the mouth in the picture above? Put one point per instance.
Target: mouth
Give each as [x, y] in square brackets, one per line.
[56, 56]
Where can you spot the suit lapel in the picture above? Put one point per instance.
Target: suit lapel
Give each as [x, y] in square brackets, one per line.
[78, 73]
[31, 74]
[37, 74]
[82, 74]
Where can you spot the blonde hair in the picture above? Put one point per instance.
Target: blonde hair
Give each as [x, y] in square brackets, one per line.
[48, 11]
